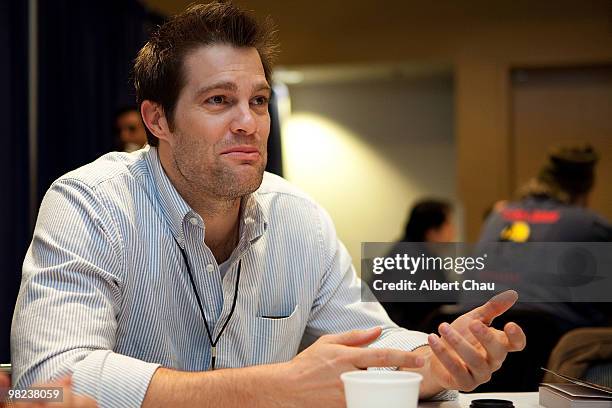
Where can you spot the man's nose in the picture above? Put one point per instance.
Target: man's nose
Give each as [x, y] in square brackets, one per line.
[244, 120]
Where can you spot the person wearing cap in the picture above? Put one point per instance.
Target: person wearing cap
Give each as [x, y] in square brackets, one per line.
[553, 207]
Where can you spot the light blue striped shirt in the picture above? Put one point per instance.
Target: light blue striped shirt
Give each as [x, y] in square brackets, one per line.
[105, 294]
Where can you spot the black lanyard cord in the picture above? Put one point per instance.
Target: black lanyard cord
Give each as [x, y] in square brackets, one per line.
[213, 344]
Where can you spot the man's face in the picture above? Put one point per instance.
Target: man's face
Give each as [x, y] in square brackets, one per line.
[221, 121]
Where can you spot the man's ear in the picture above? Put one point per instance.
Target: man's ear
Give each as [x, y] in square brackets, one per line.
[155, 120]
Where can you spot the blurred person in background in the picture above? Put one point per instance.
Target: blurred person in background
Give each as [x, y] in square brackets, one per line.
[553, 207]
[130, 131]
[429, 221]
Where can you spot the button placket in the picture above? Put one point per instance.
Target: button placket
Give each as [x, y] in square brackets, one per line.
[209, 285]
[229, 281]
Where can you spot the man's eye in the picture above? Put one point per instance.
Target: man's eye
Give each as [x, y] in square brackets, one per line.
[260, 100]
[216, 100]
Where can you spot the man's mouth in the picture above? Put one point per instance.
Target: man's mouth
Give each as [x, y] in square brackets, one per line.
[242, 153]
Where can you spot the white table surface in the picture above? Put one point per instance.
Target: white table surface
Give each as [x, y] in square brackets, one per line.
[520, 400]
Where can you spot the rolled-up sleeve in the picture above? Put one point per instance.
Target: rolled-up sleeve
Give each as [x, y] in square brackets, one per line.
[65, 319]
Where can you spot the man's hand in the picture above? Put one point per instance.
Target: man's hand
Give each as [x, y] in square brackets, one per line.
[468, 351]
[311, 378]
[70, 400]
[314, 374]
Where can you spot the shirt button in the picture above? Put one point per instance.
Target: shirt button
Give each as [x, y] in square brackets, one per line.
[193, 221]
[210, 268]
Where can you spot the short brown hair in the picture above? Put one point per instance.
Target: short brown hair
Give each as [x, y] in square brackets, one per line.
[158, 68]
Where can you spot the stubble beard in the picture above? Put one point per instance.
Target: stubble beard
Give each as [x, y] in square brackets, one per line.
[217, 179]
[227, 182]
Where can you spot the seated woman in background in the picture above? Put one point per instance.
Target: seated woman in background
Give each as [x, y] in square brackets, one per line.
[430, 221]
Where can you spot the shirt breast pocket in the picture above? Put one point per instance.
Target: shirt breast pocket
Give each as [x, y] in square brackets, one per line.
[277, 338]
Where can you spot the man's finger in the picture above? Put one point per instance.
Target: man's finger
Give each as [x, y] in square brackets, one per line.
[516, 337]
[496, 306]
[370, 357]
[497, 347]
[354, 338]
[476, 362]
[450, 361]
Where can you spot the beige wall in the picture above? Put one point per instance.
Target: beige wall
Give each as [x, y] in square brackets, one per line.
[483, 39]
[482, 99]
[366, 150]
[563, 106]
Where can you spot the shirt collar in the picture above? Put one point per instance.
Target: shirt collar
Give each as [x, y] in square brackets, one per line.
[173, 206]
[175, 209]
[253, 220]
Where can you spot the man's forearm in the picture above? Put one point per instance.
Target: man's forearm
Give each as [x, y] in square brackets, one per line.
[254, 387]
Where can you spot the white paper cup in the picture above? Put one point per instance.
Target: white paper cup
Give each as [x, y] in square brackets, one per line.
[375, 389]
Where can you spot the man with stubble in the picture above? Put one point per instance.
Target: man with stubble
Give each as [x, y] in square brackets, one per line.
[184, 275]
